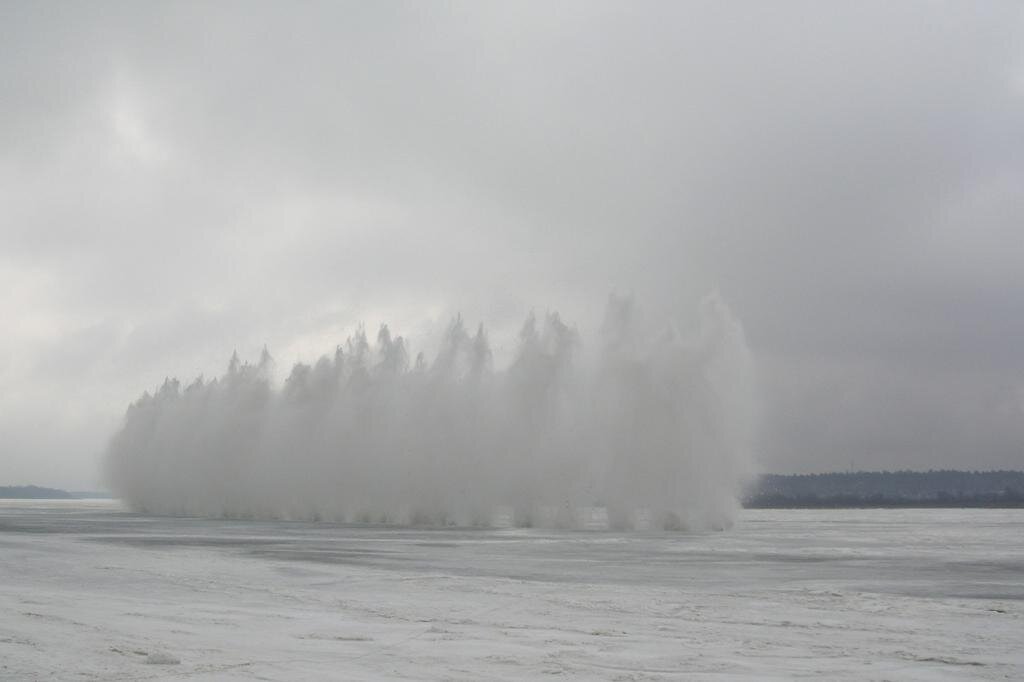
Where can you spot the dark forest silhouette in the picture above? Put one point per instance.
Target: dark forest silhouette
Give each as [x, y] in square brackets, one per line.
[861, 489]
[944, 488]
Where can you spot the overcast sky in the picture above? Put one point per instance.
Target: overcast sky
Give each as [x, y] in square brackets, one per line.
[178, 181]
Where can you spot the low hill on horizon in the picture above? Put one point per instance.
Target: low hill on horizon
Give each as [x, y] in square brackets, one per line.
[33, 492]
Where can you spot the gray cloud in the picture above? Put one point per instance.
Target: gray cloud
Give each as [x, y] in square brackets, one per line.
[181, 180]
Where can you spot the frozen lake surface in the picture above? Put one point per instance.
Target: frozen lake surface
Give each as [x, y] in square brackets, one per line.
[88, 591]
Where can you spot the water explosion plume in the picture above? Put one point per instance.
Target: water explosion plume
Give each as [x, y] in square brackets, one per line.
[652, 431]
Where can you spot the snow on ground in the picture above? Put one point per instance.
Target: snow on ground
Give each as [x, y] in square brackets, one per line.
[88, 592]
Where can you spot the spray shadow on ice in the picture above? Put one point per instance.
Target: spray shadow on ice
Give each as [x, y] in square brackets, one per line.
[651, 430]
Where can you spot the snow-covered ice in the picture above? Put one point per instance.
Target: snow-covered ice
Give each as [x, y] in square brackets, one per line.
[88, 591]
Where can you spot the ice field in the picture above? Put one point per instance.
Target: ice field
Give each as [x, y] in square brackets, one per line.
[90, 592]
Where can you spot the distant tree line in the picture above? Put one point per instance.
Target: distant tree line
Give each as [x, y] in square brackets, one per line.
[942, 488]
[33, 492]
[860, 489]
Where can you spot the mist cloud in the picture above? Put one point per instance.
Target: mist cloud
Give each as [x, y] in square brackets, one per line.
[656, 430]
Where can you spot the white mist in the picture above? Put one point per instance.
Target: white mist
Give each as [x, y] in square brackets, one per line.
[653, 432]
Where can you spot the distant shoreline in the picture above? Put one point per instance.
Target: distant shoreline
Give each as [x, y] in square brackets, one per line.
[884, 503]
[35, 492]
[944, 489]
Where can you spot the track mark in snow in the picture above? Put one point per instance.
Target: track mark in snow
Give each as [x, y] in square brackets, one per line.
[948, 661]
[18, 640]
[335, 638]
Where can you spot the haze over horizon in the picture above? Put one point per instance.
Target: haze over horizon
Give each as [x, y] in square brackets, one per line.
[180, 181]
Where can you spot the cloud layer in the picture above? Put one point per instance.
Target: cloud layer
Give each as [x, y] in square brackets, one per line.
[179, 181]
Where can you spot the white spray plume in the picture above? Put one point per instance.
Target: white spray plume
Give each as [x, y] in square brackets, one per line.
[656, 430]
